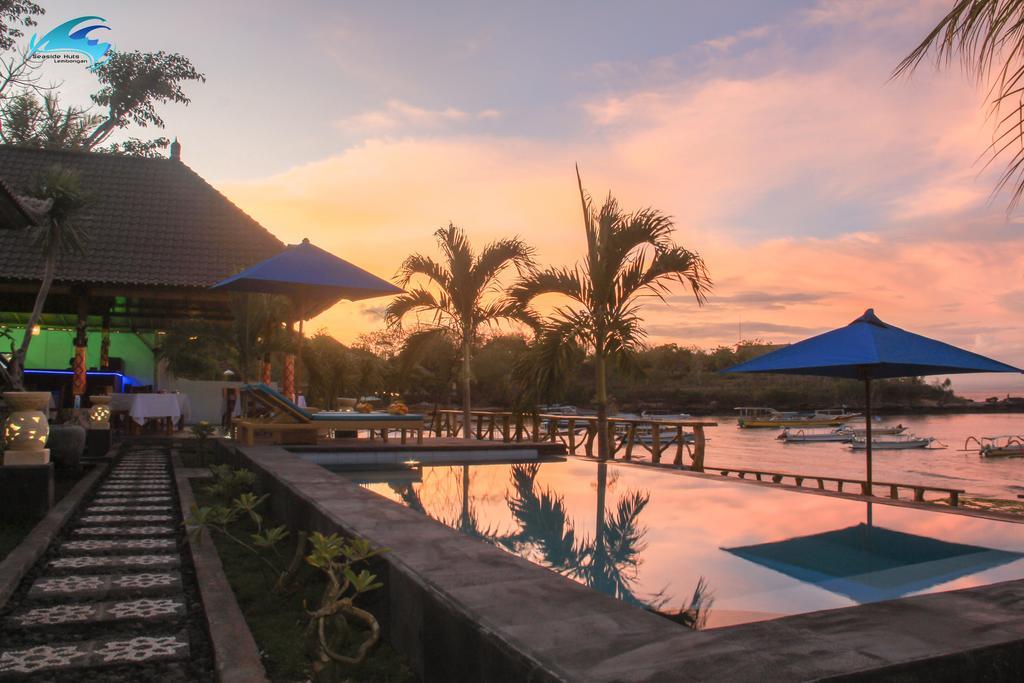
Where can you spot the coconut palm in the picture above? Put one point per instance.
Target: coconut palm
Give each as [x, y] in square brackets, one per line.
[986, 35]
[460, 294]
[61, 190]
[629, 256]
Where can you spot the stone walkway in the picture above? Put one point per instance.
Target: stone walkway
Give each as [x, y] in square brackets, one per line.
[109, 593]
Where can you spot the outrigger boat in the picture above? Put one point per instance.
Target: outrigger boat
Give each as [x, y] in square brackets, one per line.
[668, 434]
[770, 418]
[790, 435]
[892, 443]
[1007, 446]
[878, 430]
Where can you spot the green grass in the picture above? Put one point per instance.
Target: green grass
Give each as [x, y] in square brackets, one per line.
[278, 621]
[14, 531]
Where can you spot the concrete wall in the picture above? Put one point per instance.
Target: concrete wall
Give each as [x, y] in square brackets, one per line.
[205, 396]
[462, 610]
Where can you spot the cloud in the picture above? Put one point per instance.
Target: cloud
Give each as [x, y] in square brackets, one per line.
[812, 185]
[399, 115]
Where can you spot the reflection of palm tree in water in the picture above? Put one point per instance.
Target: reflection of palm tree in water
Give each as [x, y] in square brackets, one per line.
[608, 562]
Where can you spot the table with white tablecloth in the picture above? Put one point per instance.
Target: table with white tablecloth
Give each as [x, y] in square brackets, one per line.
[141, 407]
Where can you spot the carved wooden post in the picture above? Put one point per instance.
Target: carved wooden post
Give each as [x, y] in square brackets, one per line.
[265, 369]
[572, 436]
[78, 385]
[105, 342]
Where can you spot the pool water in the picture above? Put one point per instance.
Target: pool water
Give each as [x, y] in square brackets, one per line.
[718, 552]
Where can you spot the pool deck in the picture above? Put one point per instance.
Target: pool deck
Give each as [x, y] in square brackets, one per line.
[463, 610]
[438, 450]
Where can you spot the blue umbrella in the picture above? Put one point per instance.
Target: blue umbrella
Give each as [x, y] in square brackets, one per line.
[868, 349]
[313, 278]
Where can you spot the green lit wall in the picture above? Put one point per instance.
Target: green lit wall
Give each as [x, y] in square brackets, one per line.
[53, 349]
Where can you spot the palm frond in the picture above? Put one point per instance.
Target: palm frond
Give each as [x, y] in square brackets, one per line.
[418, 264]
[988, 37]
[499, 255]
[416, 299]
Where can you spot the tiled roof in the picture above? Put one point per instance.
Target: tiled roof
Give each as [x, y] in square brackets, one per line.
[150, 222]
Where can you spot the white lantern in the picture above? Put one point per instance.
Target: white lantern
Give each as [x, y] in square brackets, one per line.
[26, 428]
[99, 414]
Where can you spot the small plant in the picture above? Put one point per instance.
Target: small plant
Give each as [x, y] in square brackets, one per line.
[335, 558]
[202, 432]
[228, 483]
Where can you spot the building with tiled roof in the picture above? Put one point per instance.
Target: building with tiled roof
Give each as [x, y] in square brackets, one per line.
[158, 236]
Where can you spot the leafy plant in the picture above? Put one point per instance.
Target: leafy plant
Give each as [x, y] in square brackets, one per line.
[202, 432]
[335, 557]
[229, 483]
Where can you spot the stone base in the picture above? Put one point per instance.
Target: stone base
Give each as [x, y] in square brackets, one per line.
[26, 491]
[38, 457]
[97, 443]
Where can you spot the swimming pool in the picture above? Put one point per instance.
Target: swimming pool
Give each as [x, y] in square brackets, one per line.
[719, 551]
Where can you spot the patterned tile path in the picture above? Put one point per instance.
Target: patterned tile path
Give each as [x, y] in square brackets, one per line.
[110, 590]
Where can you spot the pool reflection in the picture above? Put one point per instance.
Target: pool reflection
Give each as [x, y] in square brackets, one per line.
[650, 538]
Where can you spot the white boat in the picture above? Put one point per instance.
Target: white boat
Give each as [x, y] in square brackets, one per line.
[790, 435]
[892, 443]
[1006, 446]
[878, 430]
[753, 417]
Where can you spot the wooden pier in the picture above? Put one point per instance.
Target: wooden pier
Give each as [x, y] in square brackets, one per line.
[918, 490]
[581, 430]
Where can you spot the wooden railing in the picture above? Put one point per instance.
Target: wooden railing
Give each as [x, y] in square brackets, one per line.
[798, 479]
[581, 430]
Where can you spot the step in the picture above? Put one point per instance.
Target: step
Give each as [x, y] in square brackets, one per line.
[99, 585]
[127, 508]
[87, 562]
[93, 653]
[95, 545]
[151, 530]
[139, 486]
[120, 500]
[123, 519]
[141, 609]
[138, 478]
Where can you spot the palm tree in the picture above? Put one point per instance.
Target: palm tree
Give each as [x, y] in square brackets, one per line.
[61, 190]
[462, 293]
[987, 37]
[629, 256]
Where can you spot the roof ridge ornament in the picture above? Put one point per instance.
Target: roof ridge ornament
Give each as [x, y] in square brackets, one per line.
[870, 318]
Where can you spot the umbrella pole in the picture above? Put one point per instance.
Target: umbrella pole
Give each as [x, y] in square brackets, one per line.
[867, 432]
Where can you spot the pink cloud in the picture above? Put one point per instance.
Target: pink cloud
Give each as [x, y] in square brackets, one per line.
[773, 131]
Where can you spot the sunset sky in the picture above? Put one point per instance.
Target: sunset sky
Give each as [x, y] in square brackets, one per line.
[813, 185]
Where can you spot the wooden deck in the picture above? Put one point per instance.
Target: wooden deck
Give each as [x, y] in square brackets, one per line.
[348, 445]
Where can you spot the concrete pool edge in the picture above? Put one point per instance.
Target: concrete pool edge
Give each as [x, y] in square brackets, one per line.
[464, 610]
